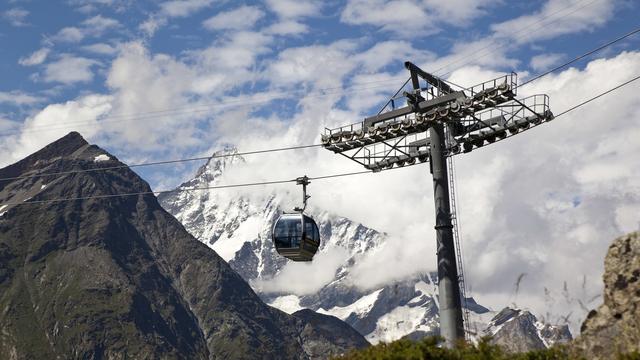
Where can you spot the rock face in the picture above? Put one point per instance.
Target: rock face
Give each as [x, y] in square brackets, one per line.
[519, 331]
[238, 228]
[119, 277]
[323, 334]
[615, 326]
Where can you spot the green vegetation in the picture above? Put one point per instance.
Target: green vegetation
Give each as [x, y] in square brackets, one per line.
[431, 349]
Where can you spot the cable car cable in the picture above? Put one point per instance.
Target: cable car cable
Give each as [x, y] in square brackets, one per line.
[292, 180]
[275, 182]
[580, 57]
[469, 54]
[163, 162]
[601, 47]
[597, 96]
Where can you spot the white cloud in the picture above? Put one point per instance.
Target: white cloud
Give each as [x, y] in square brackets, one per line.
[7, 125]
[44, 127]
[244, 17]
[142, 83]
[89, 6]
[18, 98]
[69, 69]
[183, 8]
[408, 17]
[487, 54]
[556, 18]
[457, 12]
[292, 9]
[385, 52]
[92, 27]
[544, 62]
[69, 34]
[152, 24]
[36, 58]
[98, 24]
[101, 48]
[399, 16]
[230, 63]
[317, 274]
[16, 16]
[287, 27]
[171, 9]
[324, 66]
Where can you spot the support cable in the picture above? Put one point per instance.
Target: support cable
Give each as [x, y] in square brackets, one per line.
[158, 192]
[291, 180]
[580, 57]
[486, 53]
[316, 145]
[159, 162]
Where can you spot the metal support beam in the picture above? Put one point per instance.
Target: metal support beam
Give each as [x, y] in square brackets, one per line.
[431, 79]
[451, 324]
[422, 107]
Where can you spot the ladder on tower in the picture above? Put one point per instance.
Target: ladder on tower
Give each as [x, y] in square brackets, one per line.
[456, 239]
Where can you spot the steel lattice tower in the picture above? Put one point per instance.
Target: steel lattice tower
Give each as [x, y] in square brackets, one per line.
[437, 122]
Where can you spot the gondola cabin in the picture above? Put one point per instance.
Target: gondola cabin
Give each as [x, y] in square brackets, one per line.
[296, 237]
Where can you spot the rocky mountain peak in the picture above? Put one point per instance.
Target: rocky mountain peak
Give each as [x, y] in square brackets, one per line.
[518, 330]
[218, 162]
[64, 147]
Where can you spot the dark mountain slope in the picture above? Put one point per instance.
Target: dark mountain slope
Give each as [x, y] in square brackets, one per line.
[119, 277]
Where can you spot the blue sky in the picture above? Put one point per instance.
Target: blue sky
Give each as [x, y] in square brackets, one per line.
[59, 50]
[173, 79]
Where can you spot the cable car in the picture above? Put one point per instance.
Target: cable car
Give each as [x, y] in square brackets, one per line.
[296, 235]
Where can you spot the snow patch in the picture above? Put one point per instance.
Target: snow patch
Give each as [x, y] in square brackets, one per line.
[360, 307]
[227, 246]
[288, 303]
[101, 157]
[539, 327]
[396, 324]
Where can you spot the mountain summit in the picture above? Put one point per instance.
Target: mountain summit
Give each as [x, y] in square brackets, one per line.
[119, 277]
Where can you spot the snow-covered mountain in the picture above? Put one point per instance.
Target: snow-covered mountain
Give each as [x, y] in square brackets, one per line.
[238, 227]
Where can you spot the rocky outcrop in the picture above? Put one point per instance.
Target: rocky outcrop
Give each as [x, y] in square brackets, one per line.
[615, 326]
[118, 277]
[324, 335]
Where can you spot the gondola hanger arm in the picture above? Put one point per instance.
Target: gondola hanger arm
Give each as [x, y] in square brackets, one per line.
[304, 181]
